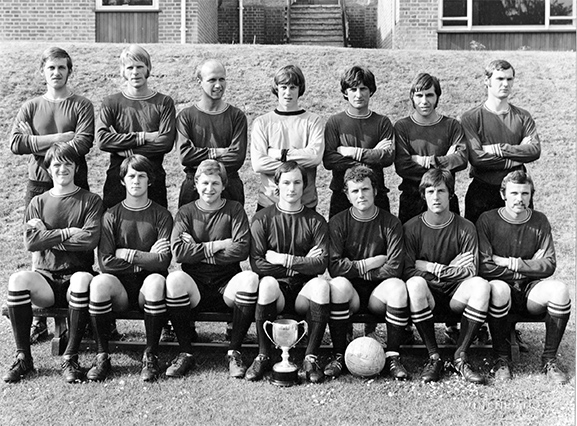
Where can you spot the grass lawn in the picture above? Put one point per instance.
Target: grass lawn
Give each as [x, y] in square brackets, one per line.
[545, 85]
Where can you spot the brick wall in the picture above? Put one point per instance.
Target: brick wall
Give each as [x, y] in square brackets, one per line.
[207, 18]
[201, 21]
[169, 21]
[263, 22]
[385, 24]
[47, 20]
[417, 26]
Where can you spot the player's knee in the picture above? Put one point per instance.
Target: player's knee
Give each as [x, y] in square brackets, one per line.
[317, 290]
[500, 292]
[153, 287]
[179, 283]
[268, 290]
[479, 287]
[392, 291]
[416, 288]
[341, 290]
[559, 292]
[100, 288]
[20, 281]
[80, 282]
[246, 281]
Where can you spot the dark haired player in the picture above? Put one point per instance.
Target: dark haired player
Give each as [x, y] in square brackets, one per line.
[518, 257]
[366, 261]
[63, 227]
[134, 255]
[287, 133]
[358, 136]
[426, 140]
[57, 116]
[289, 250]
[501, 138]
[212, 129]
[441, 253]
[137, 120]
[210, 238]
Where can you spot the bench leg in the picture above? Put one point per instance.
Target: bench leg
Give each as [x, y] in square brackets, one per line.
[515, 352]
[60, 339]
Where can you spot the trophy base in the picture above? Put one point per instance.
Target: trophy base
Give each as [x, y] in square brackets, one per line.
[284, 378]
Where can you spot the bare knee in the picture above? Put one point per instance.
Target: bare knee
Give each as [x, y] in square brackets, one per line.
[21, 280]
[417, 288]
[392, 291]
[268, 290]
[245, 281]
[500, 292]
[341, 290]
[317, 290]
[179, 283]
[101, 288]
[153, 287]
[80, 282]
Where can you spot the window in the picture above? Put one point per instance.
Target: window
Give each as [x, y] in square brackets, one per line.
[533, 14]
[126, 5]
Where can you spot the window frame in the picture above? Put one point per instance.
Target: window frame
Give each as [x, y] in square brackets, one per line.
[549, 24]
[127, 8]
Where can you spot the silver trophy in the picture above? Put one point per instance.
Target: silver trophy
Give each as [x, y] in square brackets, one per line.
[285, 336]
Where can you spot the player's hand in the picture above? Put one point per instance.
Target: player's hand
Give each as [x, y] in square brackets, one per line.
[150, 136]
[375, 262]
[36, 224]
[187, 238]
[500, 261]
[421, 265]
[452, 150]
[526, 140]
[539, 254]
[25, 128]
[463, 260]
[419, 159]
[75, 230]
[162, 246]
[384, 144]
[221, 245]
[275, 153]
[347, 151]
[316, 251]
[64, 137]
[219, 152]
[275, 258]
[122, 253]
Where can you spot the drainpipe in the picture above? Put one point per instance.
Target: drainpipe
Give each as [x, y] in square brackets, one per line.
[240, 19]
[182, 21]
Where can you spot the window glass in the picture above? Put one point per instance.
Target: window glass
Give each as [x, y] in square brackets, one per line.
[127, 2]
[454, 8]
[561, 7]
[509, 12]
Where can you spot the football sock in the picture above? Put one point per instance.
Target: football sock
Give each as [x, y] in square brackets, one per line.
[264, 313]
[154, 320]
[471, 321]
[101, 315]
[243, 313]
[396, 319]
[339, 320]
[555, 323]
[317, 318]
[20, 311]
[180, 314]
[500, 329]
[425, 325]
[78, 317]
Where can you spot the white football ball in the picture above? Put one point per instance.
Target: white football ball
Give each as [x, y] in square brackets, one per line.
[365, 357]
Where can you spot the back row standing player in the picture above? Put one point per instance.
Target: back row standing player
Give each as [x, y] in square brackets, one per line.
[426, 140]
[358, 136]
[212, 129]
[57, 116]
[136, 120]
[502, 138]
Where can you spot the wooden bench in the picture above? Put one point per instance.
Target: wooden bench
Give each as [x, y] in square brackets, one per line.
[60, 339]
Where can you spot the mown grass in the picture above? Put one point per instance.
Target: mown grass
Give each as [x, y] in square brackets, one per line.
[545, 86]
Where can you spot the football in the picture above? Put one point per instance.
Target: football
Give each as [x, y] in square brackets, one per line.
[365, 357]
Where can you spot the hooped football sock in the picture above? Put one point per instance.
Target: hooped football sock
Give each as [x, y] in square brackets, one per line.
[471, 321]
[500, 329]
[101, 316]
[397, 320]
[317, 318]
[78, 317]
[555, 323]
[425, 326]
[155, 316]
[180, 314]
[264, 313]
[243, 313]
[20, 311]
[339, 320]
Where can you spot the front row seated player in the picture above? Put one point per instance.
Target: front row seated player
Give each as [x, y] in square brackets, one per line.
[134, 255]
[210, 238]
[518, 257]
[289, 250]
[441, 251]
[62, 226]
[366, 261]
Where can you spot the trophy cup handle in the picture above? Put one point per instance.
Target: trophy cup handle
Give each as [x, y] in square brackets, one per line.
[267, 322]
[305, 330]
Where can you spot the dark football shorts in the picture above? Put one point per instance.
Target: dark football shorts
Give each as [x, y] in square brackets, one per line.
[519, 296]
[59, 283]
